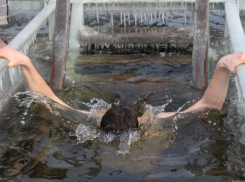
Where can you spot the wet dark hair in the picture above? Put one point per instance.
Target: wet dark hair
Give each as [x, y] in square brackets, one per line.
[119, 118]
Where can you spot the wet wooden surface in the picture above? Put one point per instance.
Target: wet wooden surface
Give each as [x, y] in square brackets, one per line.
[200, 44]
[60, 44]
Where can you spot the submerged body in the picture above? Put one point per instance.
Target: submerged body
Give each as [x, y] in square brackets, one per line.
[56, 136]
[214, 95]
[158, 146]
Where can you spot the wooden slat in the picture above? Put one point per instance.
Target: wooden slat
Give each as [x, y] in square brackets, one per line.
[60, 45]
[200, 44]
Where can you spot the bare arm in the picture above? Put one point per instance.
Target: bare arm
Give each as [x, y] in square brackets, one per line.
[34, 81]
[215, 94]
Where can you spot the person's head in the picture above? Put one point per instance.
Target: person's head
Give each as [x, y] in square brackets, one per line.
[119, 118]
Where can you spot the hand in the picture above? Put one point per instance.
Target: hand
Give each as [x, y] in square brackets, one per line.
[233, 60]
[15, 58]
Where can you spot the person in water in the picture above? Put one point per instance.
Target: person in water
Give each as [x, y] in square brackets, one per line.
[120, 118]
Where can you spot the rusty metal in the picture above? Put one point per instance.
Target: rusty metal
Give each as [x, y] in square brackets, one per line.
[200, 44]
[60, 44]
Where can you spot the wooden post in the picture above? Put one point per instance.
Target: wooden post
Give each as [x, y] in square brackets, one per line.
[60, 44]
[200, 44]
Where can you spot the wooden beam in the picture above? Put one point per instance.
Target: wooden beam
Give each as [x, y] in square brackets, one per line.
[200, 44]
[60, 44]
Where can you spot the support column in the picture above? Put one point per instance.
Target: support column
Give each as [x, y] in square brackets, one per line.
[60, 44]
[77, 21]
[200, 44]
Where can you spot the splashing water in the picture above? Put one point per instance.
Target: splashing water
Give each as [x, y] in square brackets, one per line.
[126, 138]
[96, 105]
[27, 101]
[158, 109]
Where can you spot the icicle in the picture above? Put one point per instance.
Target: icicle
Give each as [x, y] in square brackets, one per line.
[121, 17]
[163, 17]
[213, 5]
[112, 23]
[135, 19]
[155, 14]
[97, 12]
[124, 20]
[1, 82]
[2, 76]
[157, 46]
[151, 18]
[171, 15]
[11, 75]
[129, 18]
[166, 47]
[141, 18]
[190, 15]
[145, 16]
[20, 71]
[185, 16]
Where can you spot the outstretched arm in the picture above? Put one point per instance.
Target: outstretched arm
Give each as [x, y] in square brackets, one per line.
[215, 94]
[34, 81]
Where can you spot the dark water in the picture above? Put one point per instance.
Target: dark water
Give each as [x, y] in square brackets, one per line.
[41, 142]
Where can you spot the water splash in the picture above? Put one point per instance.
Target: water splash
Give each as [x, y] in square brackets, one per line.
[96, 105]
[85, 133]
[158, 109]
[28, 97]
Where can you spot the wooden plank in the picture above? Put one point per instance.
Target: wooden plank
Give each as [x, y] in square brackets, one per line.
[136, 35]
[60, 44]
[200, 44]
